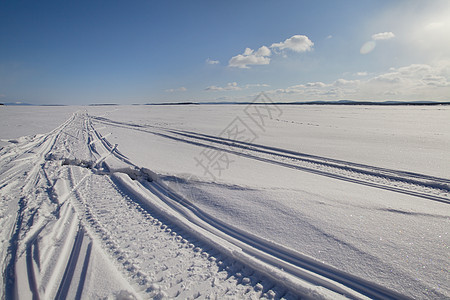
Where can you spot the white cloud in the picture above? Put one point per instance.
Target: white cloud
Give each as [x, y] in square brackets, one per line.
[320, 90]
[263, 51]
[346, 83]
[314, 85]
[361, 73]
[248, 51]
[180, 89]
[297, 43]
[250, 57]
[370, 45]
[413, 82]
[413, 77]
[254, 85]
[212, 62]
[231, 86]
[383, 36]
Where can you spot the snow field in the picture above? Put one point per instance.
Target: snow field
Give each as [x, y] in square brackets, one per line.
[56, 253]
[112, 205]
[378, 227]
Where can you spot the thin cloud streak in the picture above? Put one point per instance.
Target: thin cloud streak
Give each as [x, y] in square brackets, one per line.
[383, 36]
[180, 89]
[212, 62]
[233, 86]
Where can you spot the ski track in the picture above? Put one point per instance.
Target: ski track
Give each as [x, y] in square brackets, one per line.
[57, 223]
[79, 194]
[419, 185]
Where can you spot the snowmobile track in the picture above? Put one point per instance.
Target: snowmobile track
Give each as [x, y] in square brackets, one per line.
[270, 253]
[161, 242]
[409, 183]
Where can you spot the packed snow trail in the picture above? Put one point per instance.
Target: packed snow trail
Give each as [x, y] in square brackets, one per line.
[390, 237]
[270, 256]
[45, 251]
[74, 198]
[82, 207]
[150, 250]
[420, 185]
[26, 204]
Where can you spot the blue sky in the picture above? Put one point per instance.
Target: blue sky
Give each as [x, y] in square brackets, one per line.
[81, 52]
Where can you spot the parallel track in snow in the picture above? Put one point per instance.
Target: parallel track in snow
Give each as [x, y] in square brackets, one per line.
[25, 170]
[167, 227]
[168, 249]
[87, 208]
[282, 264]
[414, 184]
[161, 258]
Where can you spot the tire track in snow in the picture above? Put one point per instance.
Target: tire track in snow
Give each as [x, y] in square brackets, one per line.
[161, 258]
[189, 266]
[414, 184]
[224, 277]
[26, 228]
[274, 254]
[265, 252]
[28, 272]
[37, 148]
[66, 281]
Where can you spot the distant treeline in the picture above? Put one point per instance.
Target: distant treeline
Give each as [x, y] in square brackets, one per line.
[342, 102]
[176, 103]
[103, 104]
[389, 103]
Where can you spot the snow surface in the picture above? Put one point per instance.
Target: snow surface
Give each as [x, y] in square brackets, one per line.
[225, 201]
[18, 121]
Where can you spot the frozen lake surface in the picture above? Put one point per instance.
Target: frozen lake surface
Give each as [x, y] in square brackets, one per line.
[236, 201]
